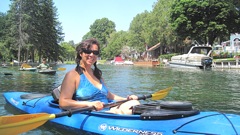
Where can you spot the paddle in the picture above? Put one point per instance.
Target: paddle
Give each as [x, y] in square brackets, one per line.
[7, 73]
[25, 65]
[155, 96]
[61, 69]
[22, 123]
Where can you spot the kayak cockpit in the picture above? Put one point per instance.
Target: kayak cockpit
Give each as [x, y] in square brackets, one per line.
[164, 110]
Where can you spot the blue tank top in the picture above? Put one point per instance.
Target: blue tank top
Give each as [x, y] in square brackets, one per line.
[87, 91]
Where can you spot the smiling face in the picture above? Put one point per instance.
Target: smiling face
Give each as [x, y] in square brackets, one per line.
[88, 56]
[87, 53]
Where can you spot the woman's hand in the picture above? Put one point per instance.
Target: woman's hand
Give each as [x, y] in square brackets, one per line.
[132, 97]
[97, 105]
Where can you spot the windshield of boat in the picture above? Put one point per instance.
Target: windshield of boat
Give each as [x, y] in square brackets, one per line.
[201, 50]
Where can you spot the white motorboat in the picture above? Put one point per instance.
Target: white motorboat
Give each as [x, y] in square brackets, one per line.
[199, 56]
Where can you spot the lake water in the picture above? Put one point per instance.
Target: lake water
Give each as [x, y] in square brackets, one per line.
[210, 90]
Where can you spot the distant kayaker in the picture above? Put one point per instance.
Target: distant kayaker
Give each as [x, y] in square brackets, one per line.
[44, 65]
[84, 85]
[4, 64]
[24, 64]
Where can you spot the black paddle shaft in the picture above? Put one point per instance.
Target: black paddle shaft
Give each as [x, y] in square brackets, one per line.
[69, 113]
[143, 97]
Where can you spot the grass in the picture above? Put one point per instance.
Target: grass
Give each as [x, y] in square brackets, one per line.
[101, 61]
[224, 59]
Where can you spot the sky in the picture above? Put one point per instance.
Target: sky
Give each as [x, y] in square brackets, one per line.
[76, 16]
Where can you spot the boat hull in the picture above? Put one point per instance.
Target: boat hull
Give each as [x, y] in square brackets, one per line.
[50, 72]
[184, 65]
[106, 123]
[27, 69]
[197, 57]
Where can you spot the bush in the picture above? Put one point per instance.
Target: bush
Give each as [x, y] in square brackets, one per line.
[167, 56]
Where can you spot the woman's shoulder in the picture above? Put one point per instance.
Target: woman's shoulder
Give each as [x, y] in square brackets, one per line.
[72, 73]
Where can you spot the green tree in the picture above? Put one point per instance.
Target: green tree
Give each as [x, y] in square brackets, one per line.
[33, 30]
[87, 36]
[101, 30]
[69, 51]
[116, 41]
[50, 31]
[136, 31]
[158, 27]
[2, 25]
[205, 20]
[150, 28]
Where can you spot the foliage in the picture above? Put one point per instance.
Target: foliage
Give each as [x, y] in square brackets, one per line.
[136, 31]
[101, 30]
[167, 56]
[32, 30]
[158, 27]
[69, 51]
[4, 52]
[116, 41]
[87, 36]
[222, 55]
[2, 26]
[205, 20]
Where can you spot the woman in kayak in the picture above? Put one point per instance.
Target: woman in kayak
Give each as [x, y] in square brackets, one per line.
[84, 85]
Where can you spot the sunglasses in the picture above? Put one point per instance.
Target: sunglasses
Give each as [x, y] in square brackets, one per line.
[90, 51]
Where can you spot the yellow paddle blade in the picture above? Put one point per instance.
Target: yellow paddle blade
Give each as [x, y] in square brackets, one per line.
[61, 69]
[164, 90]
[26, 65]
[11, 125]
[161, 94]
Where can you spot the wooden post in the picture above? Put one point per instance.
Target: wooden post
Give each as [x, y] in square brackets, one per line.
[237, 59]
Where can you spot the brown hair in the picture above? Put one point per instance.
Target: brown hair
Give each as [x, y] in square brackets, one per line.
[79, 49]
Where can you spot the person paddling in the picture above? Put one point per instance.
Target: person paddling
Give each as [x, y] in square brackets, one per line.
[44, 65]
[84, 85]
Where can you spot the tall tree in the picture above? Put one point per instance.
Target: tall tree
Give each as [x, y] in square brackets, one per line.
[87, 36]
[30, 11]
[158, 27]
[205, 20]
[136, 31]
[33, 28]
[116, 41]
[101, 30]
[50, 31]
[2, 25]
[17, 25]
[69, 51]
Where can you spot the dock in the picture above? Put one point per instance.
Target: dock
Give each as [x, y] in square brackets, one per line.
[147, 63]
[226, 65]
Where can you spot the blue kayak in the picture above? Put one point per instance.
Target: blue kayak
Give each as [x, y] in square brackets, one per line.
[165, 121]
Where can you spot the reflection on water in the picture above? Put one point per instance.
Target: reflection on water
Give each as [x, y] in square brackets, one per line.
[216, 90]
